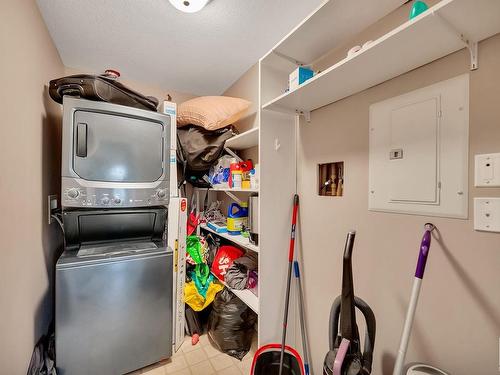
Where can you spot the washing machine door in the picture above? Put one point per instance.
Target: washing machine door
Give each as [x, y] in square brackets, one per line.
[113, 310]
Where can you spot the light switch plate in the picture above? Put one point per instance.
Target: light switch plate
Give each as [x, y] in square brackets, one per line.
[487, 170]
[487, 214]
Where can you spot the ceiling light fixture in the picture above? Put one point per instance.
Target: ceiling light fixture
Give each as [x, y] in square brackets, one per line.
[189, 6]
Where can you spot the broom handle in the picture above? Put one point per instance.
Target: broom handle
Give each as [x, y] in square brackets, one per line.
[405, 337]
[289, 279]
[305, 344]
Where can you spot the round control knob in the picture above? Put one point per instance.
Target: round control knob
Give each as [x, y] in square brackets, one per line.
[73, 193]
[161, 194]
[117, 200]
[105, 200]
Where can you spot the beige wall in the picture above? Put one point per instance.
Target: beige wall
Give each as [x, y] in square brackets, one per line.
[29, 165]
[247, 87]
[458, 318]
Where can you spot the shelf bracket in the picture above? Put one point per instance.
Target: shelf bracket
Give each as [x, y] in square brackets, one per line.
[228, 193]
[306, 114]
[471, 45]
[233, 154]
[233, 197]
[288, 58]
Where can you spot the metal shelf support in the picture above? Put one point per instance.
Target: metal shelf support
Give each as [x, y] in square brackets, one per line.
[288, 58]
[232, 153]
[233, 197]
[471, 45]
[306, 114]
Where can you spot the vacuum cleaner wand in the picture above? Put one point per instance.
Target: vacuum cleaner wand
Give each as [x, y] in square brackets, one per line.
[417, 283]
[345, 356]
[348, 328]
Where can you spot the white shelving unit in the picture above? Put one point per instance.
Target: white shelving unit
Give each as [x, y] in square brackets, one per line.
[238, 240]
[449, 26]
[245, 140]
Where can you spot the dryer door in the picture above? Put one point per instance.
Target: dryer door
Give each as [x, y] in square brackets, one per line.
[115, 148]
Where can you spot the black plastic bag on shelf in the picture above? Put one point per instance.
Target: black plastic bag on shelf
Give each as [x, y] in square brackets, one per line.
[231, 325]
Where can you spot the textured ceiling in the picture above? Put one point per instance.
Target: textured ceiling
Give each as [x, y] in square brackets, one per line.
[150, 41]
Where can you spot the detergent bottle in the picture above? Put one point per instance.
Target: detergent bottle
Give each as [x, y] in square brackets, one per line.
[237, 217]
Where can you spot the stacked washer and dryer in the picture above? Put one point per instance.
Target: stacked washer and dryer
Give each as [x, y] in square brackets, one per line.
[114, 303]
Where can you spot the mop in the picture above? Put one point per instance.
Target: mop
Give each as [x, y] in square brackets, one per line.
[281, 359]
[410, 315]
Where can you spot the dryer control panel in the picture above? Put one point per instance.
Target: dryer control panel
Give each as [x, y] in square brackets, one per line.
[76, 195]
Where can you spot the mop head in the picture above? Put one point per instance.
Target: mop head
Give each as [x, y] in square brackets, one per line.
[267, 361]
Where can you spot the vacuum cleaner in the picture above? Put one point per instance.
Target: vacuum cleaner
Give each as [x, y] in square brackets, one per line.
[345, 356]
[419, 368]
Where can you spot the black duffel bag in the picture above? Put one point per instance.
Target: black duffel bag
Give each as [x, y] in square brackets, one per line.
[101, 88]
[198, 149]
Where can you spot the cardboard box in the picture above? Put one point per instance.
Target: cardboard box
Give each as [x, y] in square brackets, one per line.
[176, 240]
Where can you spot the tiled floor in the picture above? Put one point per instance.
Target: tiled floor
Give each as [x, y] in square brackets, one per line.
[202, 359]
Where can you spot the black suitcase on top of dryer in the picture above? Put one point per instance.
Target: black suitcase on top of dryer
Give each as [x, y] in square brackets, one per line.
[100, 88]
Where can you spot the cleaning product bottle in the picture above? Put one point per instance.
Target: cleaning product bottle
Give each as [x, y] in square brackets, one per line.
[235, 174]
[237, 217]
[254, 177]
[237, 179]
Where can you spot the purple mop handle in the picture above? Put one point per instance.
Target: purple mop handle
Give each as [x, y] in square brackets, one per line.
[425, 246]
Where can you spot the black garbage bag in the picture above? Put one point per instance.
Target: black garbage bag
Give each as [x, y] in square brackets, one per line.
[43, 358]
[231, 325]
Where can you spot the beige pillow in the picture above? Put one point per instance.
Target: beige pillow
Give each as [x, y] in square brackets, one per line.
[211, 112]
